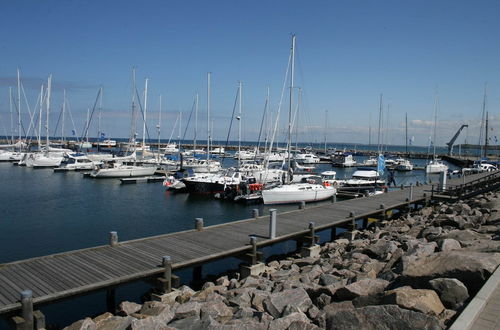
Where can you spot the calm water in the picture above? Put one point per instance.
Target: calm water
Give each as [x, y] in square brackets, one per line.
[44, 212]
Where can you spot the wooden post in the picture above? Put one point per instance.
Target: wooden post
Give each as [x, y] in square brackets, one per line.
[402, 187]
[302, 205]
[365, 223]
[253, 241]
[27, 308]
[167, 274]
[111, 300]
[353, 220]
[312, 241]
[411, 192]
[333, 234]
[272, 223]
[334, 198]
[384, 214]
[113, 238]
[255, 213]
[197, 273]
[199, 224]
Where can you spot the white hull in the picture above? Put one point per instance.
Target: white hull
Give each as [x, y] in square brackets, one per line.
[41, 160]
[295, 193]
[123, 171]
[435, 167]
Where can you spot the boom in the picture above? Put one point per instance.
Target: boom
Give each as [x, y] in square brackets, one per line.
[453, 139]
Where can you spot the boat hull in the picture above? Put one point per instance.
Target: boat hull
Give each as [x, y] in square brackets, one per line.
[281, 195]
[123, 172]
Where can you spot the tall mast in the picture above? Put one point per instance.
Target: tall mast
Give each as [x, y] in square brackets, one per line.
[208, 115]
[11, 116]
[180, 128]
[133, 122]
[379, 123]
[87, 124]
[49, 86]
[483, 122]
[239, 123]
[145, 113]
[291, 105]
[40, 119]
[63, 111]
[19, 103]
[195, 123]
[326, 127]
[370, 129]
[406, 132]
[436, 105]
[159, 129]
[486, 136]
[99, 118]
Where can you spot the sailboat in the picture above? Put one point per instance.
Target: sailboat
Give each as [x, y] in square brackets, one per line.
[435, 165]
[403, 164]
[293, 193]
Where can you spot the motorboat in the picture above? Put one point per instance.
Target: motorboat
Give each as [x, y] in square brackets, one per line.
[171, 148]
[108, 143]
[403, 165]
[330, 177]
[436, 166]
[214, 183]
[245, 155]
[298, 192]
[372, 161]
[343, 160]
[77, 162]
[307, 158]
[202, 165]
[365, 178]
[120, 170]
[260, 173]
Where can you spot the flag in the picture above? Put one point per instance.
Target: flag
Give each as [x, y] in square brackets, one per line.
[73, 132]
[380, 165]
[103, 135]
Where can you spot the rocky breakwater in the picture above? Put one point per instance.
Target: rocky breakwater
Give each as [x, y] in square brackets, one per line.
[414, 272]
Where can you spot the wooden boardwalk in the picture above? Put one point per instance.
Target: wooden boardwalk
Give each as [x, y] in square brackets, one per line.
[76, 272]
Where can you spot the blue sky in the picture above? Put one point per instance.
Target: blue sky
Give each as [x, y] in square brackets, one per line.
[347, 54]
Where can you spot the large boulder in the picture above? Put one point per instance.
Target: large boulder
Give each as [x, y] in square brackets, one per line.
[284, 322]
[449, 244]
[381, 249]
[85, 324]
[465, 237]
[380, 317]
[218, 311]
[364, 287]
[276, 302]
[451, 291]
[116, 323]
[420, 300]
[471, 268]
[189, 309]
[127, 308]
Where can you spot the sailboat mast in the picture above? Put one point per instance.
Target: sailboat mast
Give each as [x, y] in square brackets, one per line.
[40, 119]
[406, 133]
[436, 105]
[208, 115]
[195, 122]
[370, 129]
[99, 119]
[379, 123]
[486, 136]
[49, 85]
[326, 127]
[145, 113]
[63, 112]
[11, 116]
[159, 128]
[132, 124]
[239, 123]
[291, 104]
[19, 103]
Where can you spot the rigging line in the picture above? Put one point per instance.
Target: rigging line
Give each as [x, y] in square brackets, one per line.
[231, 123]
[262, 124]
[29, 108]
[87, 125]
[32, 121]
[71, 118]
[142, 112]
[57, 123]
[189, 119]
[173, 129]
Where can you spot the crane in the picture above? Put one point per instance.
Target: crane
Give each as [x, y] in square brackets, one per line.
[453, 139]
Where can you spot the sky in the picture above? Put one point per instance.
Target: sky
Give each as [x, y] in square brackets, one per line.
[348, 53]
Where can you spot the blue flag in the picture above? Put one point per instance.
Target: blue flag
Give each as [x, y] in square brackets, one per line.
[103, 135]
[73, 132]
[380, 164]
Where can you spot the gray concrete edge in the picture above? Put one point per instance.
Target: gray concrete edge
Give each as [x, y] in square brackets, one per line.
[466, 319]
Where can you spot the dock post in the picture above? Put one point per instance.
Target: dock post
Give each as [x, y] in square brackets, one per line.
[334, 198]
[442, 181]
[333, 234]
[111, 300]
[253, 241]
[167, 274]
[255, 213]
[199, 224]
[256, 268]
[272, 223]
[302, 205]
[353, 220]
[384, 212]
[113, 238]
[411, 193]
[27, 308]
[402, 187]
[313, 250]
[197, 274]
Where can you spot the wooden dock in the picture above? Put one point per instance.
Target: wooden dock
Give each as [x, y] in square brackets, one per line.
[77, 272]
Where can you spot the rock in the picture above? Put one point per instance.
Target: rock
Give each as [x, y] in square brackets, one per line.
[127, 307]
[187, 323]
[149, 323]
[153, 308]
[336, 306]
[284, 322]
[447, 316]
[218, 311]
[364, 287]
[422, 249]
[223, 281]
[276, 302]
[471, 268]
[241, 300]
[394, 258]
[116, 323]
[449, 244]
[240, 324]
[380, 317]
[85, 324]
[189, 309]
[452, 292]
[420, 300]
[322, 300]
[98, 319]
[207, 285]
[184, 294]
[431, 233]
[245, 312]
[257, 298]
[204, 293]
[465, 236]
[302, 325]
[381, 249]
[328, 279]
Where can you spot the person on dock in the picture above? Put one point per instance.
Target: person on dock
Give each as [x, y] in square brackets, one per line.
[390, 178]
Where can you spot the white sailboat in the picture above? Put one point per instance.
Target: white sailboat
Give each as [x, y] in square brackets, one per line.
[293, 193]
[435, 165]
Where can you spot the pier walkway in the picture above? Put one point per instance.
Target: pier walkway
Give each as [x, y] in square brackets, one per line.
[77, 272]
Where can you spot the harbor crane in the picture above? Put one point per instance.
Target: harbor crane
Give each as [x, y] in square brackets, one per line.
[453, 139]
